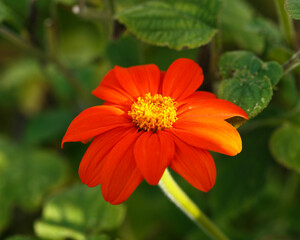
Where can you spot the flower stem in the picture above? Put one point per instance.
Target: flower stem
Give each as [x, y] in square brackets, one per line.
[181, 200]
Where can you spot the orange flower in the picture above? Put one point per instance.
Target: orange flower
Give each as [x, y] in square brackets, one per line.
[152, 120]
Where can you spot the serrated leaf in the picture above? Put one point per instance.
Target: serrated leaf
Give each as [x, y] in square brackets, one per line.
[285, 146]
[176, 24]
[77, 212]
[248, 81]
[293, 8]
[26, 175]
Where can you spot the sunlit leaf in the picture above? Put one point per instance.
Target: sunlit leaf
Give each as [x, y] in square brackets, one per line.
[173, 23]
[77, 212]
[248, 81]
[285, 146]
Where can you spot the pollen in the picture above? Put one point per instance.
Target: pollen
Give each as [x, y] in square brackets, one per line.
[152, 113]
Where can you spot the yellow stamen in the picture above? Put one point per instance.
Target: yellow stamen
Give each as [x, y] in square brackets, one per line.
[152, 113]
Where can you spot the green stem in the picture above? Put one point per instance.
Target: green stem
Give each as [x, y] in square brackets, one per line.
[181, 200]
[286, 23]
[292, 63]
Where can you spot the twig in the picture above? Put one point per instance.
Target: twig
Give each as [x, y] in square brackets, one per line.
[292, 63]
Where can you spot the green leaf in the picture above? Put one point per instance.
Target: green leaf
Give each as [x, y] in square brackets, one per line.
[248, 81]
[77, 212]
[173, 23]
[273, 71]
[285, 146]
[38, 129]
[293, 8]
[26, 175]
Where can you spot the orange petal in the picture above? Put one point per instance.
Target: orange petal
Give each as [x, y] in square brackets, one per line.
[195, 165]
[210, 134]
[153, 153]
[183, 77]
[110, 90]
[92, 161]
[211, 108]
[94, 121]
[120, 175]
[139, 80]
[198, 96]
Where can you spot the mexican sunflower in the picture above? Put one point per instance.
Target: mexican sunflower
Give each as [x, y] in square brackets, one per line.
[152, 120]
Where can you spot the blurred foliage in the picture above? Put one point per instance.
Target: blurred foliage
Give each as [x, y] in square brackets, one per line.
[75, 214]
[26, 175]
[285, 146]
[55, 52]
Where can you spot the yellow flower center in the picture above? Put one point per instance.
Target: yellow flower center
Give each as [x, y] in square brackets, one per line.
[152, 113]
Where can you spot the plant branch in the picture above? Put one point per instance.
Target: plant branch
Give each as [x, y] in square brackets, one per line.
[292, 63]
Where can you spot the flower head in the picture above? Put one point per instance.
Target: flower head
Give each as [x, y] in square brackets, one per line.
[152, 120]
